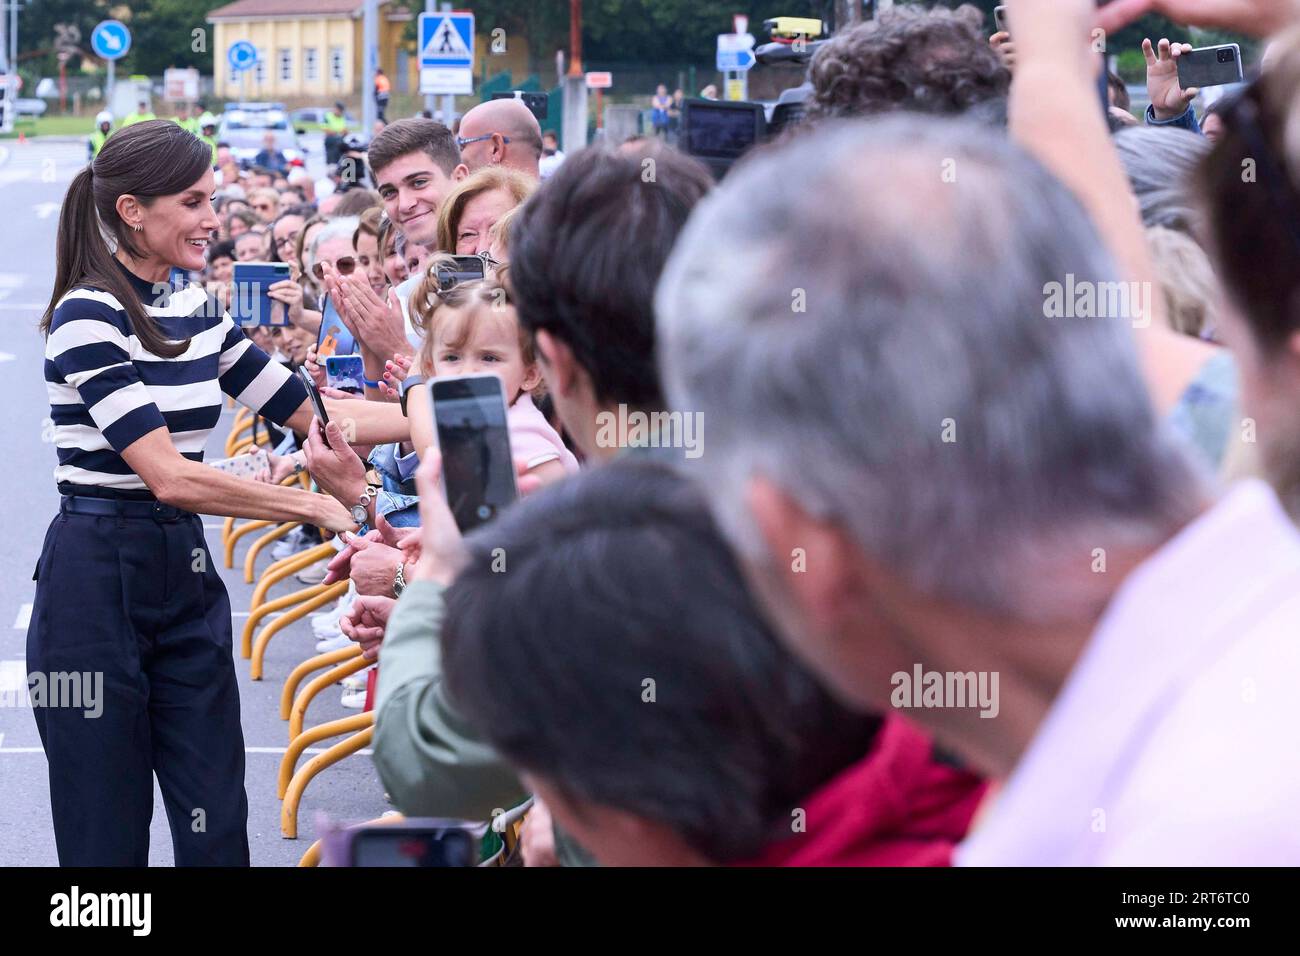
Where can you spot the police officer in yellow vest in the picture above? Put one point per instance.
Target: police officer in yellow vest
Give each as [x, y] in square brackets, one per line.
[185, 121]
[335, 126]
[208, 132]
[142, 113]
[103, 126]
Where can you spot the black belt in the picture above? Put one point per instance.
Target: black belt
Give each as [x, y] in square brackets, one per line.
[114, 508]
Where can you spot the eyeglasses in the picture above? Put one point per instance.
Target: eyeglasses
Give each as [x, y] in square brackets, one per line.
[343, 266]
[461, 142]
[285, 241]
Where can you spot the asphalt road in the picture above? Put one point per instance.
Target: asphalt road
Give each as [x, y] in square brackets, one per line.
[33, 179]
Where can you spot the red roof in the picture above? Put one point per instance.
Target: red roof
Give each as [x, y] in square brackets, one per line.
[286, 8]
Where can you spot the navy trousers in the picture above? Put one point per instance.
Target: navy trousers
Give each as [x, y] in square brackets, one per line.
[135, 596]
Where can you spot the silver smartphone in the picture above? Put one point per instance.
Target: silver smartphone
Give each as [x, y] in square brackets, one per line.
[1210, 66]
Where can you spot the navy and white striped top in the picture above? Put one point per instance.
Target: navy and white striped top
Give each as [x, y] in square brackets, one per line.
[106, 391]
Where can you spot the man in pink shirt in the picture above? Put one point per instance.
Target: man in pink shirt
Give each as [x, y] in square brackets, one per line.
[955, 505]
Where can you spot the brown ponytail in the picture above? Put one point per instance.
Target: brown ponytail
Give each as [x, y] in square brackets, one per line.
[145, 160]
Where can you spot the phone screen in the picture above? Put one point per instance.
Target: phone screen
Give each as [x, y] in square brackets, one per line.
[478, 471]
[387, 846]
[346, 373]
[313, 393]
[334, 337]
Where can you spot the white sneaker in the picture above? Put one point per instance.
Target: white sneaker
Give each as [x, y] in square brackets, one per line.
[314, 573]
[325, 645]
[357, 681]
[327, 624]
[290, 544]
[354, 700]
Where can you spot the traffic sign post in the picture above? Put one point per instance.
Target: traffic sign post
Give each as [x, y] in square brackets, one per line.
[110, 40]
[600, 82]
[446, 53]
[735, 60]
[241, 56]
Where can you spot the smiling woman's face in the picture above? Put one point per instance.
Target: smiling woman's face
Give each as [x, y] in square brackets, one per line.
[177, 227]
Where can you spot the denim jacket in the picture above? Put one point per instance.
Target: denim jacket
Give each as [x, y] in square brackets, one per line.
[397, 500]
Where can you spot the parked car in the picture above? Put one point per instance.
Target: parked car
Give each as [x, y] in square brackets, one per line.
[30, 106]
[243, 125]
[309, 119]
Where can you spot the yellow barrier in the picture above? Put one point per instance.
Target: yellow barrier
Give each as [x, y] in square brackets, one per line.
[250, 559]
[238, 533]
[306, 667]
[286, 566]
[293, 794]
[331, 592]
[298, 713]
[331, 728]
[279, 604]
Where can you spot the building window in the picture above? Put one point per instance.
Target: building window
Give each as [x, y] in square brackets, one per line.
[336, 64]
[259, 71]
[310, 65]
[286, 65]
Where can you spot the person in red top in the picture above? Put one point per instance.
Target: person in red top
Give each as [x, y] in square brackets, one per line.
[623, 668]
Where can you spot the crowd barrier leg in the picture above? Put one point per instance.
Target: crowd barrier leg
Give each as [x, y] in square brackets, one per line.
[238, 533]
[269, 607]
[293, 794]
[250, 559]
[331, 592]
[331, 728]
[298, 713]
[281, 569]
[296, 676]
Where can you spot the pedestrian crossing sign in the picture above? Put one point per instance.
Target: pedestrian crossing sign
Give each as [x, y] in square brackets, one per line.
[447, 40]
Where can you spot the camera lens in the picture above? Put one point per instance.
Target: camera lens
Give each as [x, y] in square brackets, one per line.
[1225, 56]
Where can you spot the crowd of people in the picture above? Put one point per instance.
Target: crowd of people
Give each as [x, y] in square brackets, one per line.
[985, 551]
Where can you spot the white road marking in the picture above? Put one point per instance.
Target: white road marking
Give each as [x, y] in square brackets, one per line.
[13, 677]
[24, 617]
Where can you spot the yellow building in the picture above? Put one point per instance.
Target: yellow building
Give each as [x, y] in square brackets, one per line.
[311, 49]
[306, 48]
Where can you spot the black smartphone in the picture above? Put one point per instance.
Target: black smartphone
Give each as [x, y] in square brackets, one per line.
[478, 471]
[317, 403]
[412, 846]
[1210, 66]
[461, 269]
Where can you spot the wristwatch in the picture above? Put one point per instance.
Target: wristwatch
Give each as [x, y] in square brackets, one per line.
[361, 510]
[408, 383]
[399, 579]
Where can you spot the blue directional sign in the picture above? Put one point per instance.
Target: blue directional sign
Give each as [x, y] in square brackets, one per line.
[110, 39]
[241, 56]
[735, 60]
[446, 53]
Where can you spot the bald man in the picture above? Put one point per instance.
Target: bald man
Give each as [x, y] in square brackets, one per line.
[501, 133]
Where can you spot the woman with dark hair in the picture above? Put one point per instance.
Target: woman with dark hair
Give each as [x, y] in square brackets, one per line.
[136, 361]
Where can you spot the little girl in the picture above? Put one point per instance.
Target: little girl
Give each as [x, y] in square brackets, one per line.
[472, 329]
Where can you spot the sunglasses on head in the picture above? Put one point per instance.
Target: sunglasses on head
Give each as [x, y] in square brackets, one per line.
[342, 266]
